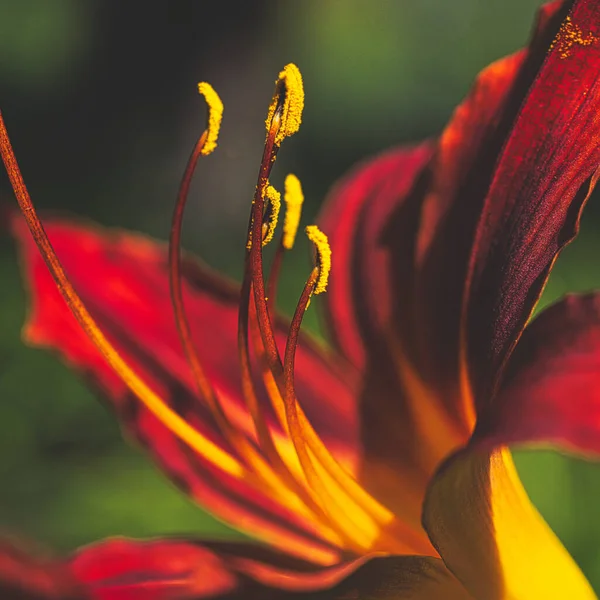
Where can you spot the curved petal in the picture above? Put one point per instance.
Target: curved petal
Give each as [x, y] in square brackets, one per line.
[371, 219]
[401, 229]
[123, 569]
[364, 287]
[463, 168]
[542, 179]
[488, 533]
[27, 576]
[551, 389]
[122, 278]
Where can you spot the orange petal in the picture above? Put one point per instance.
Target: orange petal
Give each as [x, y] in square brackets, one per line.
[488, 533]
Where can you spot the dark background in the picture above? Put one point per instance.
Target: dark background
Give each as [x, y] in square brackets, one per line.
[100, 100]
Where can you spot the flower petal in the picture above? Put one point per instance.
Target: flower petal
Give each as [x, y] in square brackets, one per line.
[123, 569]
[371, 220]
[490, 536]
[542, 179]
[551, 389]
[122, 278]
[26, 576]
[401, 230]
[462, 169]
[361, 293]
[477, 513]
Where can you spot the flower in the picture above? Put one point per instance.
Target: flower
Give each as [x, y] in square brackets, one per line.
[378, 468]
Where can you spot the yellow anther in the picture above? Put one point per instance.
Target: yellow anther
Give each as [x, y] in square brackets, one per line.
[215, 116]
[274, 198]
[289, 94]
[319, 239]
[294, 198]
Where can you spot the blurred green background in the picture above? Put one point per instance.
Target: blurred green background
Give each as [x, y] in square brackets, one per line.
[101, 103]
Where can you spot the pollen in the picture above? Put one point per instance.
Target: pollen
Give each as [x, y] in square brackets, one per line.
[274, 198]
[319, 239]
[289, 97]
[294, 198]
[215, 116]
[569, 35]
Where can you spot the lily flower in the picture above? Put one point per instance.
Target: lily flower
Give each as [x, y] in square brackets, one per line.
[377, 467]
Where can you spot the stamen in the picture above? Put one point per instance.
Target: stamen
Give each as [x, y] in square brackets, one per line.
[259, 466]
[319, 239]
[289, 86]
[215, 116]
[208, 139]
[254, 260]
[253, 278]
[294, 198]
[254, 265]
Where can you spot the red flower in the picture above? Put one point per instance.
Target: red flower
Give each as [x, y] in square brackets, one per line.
[440, 253]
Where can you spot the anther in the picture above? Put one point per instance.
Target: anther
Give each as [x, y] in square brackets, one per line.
[215, 116]
[294, 198]
[319, 239]
[289, 97]
[272, 214]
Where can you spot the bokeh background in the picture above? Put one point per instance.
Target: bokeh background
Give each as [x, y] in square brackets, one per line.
[100, 99]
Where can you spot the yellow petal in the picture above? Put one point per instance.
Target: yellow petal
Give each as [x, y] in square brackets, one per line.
[481, 521]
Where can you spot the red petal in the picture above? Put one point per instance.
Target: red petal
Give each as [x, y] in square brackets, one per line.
[122, 278]
[542, 179]
[551, 392]
[366, 263]
[395, 297]
[29, 577]
[462, 171]
[449, 215]
[371, 219]
[123, 569]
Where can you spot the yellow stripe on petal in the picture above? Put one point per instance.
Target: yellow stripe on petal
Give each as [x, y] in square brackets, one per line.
[482, 523]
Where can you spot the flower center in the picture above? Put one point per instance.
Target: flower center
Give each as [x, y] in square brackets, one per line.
[321, 490]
